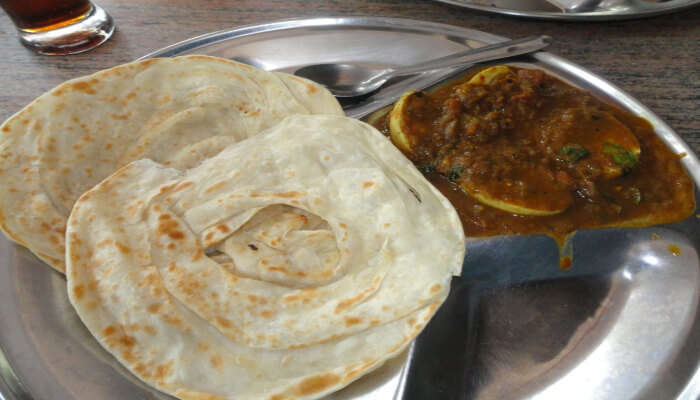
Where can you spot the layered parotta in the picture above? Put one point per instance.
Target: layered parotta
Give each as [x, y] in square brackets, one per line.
[284, 267]
[176, 111]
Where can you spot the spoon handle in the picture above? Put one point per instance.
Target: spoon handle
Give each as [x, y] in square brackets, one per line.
[490, 52]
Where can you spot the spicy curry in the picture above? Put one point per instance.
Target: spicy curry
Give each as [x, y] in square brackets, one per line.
[519, 151]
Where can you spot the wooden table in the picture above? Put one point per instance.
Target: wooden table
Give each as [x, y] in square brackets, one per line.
[656, 60]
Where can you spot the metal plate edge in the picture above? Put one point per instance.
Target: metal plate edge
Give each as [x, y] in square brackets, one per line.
[380, 22]
[579, 17]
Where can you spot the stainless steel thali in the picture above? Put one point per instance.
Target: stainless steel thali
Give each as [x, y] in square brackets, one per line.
[603, 10]
[622, 323]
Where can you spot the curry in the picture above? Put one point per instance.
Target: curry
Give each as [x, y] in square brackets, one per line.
[518, 151]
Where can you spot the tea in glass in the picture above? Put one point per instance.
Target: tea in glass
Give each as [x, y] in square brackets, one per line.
[59, 26]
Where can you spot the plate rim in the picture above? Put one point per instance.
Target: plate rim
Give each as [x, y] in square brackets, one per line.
[319, 22]
[648, 12]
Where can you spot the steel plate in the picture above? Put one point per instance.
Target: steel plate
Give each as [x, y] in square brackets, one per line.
[622, 323]
[606, 10]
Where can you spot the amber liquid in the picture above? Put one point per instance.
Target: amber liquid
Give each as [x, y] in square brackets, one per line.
[39, 15]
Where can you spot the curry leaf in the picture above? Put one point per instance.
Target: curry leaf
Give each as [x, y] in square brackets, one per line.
[455, 173]
[427, 169]
[574, 152]
[621, 156]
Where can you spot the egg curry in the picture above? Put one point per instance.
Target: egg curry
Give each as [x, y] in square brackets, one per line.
[518, 151]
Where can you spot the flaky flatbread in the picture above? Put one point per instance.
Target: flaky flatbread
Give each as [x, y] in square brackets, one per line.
[284, 267]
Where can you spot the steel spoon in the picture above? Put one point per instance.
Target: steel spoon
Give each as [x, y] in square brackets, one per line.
[349, 80]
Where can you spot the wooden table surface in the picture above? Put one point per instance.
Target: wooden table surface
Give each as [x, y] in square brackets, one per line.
[656, 60]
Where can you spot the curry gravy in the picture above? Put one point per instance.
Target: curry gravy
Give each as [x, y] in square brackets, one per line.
[484, 136]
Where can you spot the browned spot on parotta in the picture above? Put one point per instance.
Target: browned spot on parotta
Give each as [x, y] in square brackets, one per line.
[79, 292]
[354, 372]
[169, 227]
[315, 384]
[154, 308]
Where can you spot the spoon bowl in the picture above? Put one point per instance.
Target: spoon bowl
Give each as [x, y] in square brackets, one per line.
[345, 80]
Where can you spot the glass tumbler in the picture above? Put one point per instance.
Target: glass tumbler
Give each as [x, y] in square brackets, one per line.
[59, 26]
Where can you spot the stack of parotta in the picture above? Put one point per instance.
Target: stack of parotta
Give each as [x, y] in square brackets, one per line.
[221, 240]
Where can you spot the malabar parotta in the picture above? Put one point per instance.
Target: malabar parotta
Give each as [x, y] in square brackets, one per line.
[285, 267]
[176, 111]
